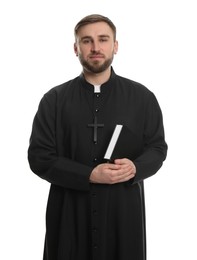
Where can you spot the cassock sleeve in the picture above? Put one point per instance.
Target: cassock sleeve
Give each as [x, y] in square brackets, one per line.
[43, 155]
[155, 147]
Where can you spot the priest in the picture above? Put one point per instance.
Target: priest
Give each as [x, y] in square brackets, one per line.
[96, 209]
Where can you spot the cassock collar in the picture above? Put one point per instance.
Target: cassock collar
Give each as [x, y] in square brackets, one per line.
[104, 87]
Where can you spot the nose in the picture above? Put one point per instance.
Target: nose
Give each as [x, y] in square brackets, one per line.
[95, 46]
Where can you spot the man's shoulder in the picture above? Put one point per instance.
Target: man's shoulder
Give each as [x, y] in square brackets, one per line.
[57, 94]
[63, 87]
[132, 84]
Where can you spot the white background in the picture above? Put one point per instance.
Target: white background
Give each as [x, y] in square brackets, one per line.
[158, 48]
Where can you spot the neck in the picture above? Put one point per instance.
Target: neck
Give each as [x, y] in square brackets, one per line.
[97, 78]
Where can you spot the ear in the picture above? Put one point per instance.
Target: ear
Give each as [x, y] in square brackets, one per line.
[75, 49]
[115, 47]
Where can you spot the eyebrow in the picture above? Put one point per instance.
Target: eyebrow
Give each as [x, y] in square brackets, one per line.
[99, 36]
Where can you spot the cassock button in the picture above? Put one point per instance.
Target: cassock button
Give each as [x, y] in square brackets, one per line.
[97, 95]
[95, 159]
[95, 212]
[96, 110]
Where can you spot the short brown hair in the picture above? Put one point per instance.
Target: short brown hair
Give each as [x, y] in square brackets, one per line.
[94, 18]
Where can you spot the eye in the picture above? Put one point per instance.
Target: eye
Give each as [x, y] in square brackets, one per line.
[103, 39]
[86, 41]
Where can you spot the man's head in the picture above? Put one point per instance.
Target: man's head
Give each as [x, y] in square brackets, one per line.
[94, 18]
[95, 42]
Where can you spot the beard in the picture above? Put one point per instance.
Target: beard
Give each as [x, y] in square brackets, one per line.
[95, 67]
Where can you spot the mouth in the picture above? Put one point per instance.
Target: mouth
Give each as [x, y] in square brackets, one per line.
[96, 59]
[96, 56]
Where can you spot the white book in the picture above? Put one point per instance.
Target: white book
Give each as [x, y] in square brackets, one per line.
[113, 142]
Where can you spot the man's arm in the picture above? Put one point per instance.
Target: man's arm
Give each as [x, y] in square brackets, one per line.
[155, 147]
[43, 157]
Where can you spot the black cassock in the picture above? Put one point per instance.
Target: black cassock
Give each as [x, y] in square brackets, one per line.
[94, 221]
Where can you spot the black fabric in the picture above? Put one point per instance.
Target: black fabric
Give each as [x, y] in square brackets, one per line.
[95, 221]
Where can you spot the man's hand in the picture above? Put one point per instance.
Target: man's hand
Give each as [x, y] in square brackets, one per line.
[110, 173]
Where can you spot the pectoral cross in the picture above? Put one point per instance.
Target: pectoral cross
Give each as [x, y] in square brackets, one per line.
[95, 126]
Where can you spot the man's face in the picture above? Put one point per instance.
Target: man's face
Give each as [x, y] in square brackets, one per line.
[95, 47]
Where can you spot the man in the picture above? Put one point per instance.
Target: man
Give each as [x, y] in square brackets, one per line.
[96, 209]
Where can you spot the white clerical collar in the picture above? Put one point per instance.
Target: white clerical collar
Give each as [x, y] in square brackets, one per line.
[97, 88]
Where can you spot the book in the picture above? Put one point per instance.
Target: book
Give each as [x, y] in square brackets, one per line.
[113, 141]
[123, 144]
